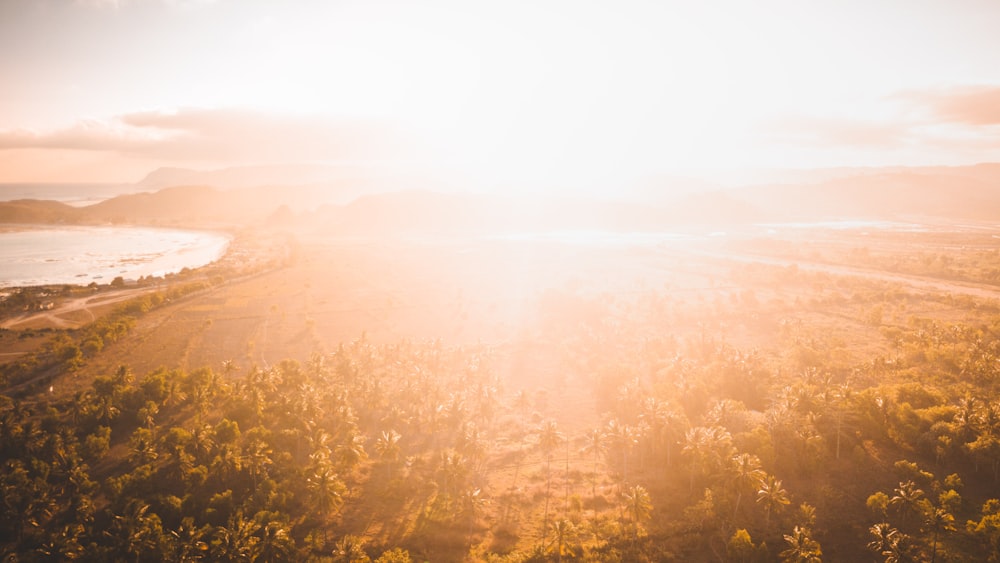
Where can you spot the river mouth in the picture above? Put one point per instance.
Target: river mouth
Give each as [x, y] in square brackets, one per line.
[77, 255]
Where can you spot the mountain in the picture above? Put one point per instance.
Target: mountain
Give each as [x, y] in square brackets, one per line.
[985, 172]
[36, 211]
[188, 205]
[305, 185]
[423, 212]
[956, 193]
[250, 176]
[962, 193]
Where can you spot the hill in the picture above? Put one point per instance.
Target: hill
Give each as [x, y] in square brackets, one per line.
[36, 211]
[367, 205]
[890, 195]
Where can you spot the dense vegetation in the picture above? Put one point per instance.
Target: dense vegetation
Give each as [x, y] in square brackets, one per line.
[663, 426]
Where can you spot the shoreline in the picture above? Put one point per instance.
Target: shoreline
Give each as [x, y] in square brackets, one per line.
[64, 257]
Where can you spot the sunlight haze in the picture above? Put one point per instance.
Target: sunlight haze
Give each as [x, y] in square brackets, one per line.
[461, 281]
[511, 95]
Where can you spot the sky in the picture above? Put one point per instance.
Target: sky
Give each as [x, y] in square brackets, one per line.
[541, 95]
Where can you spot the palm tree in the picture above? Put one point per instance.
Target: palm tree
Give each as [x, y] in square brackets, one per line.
[202, 442]
[693, 448]
[276, 544]
[175, 394]
[387, 448]
[638, 505]
[801, 548]
[664, 422]
[137, 533]
[105, 410]
[621, 436]
[327, 490]
[351, 451]
[889, 543]
[236, 541]
[63, 545]
[142, 447]
[938, 519]
[745, 473]
[884, 535]
[966, 418]
[772, 496]
[350, 549]
[565, 533]
[147, 415]
[843, 397]
[471, 445]
[907, 499]
[258, 458]
[595, 444]
[549, 439]
[227, 462]
[453, 475]
[22, 498]
[189, 544]
[472, 506]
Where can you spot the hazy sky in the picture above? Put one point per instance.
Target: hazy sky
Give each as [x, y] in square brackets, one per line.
[509, 93]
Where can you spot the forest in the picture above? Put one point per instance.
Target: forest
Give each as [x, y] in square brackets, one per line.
[686, 406]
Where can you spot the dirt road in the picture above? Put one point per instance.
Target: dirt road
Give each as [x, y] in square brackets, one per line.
[57, 317]
[920, 283]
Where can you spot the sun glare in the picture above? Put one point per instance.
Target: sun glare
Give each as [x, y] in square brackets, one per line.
[524, 280]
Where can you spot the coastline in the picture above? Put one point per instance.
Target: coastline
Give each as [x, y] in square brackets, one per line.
[38, 255]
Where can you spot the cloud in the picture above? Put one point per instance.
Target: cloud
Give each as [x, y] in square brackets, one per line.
[194, 134]
[968, 105]
[117, 4]
[88, 134]
[839, 132]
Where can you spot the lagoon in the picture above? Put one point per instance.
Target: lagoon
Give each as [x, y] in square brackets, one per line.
[47, 255]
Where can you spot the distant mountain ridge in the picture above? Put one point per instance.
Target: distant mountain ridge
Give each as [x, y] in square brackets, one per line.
[249, 176]
[963, 193]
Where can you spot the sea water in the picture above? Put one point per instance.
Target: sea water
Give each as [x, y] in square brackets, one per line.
[46, 255]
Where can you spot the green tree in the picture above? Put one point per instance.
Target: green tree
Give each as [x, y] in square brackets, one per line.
[350, 549]
[236, 541]
[801, 547]
[387, 448]
[276, 544]
[772, 496]
[562, 541]
[549, 438]
[906, 500]
[639, 507]
[595, 444]
[137, 533]
[740, 548]
[395, 555]
[938, 520]
[745, 474]
[327, 490]
[472, 505]
[189, 541]
[987, 529]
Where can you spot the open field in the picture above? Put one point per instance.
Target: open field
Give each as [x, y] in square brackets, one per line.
[497, 292]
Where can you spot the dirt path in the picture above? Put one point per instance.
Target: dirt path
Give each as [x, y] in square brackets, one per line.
[980, 290]
[56, 316]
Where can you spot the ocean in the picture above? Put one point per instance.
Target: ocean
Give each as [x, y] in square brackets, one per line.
[58, 254]
[44, 255]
